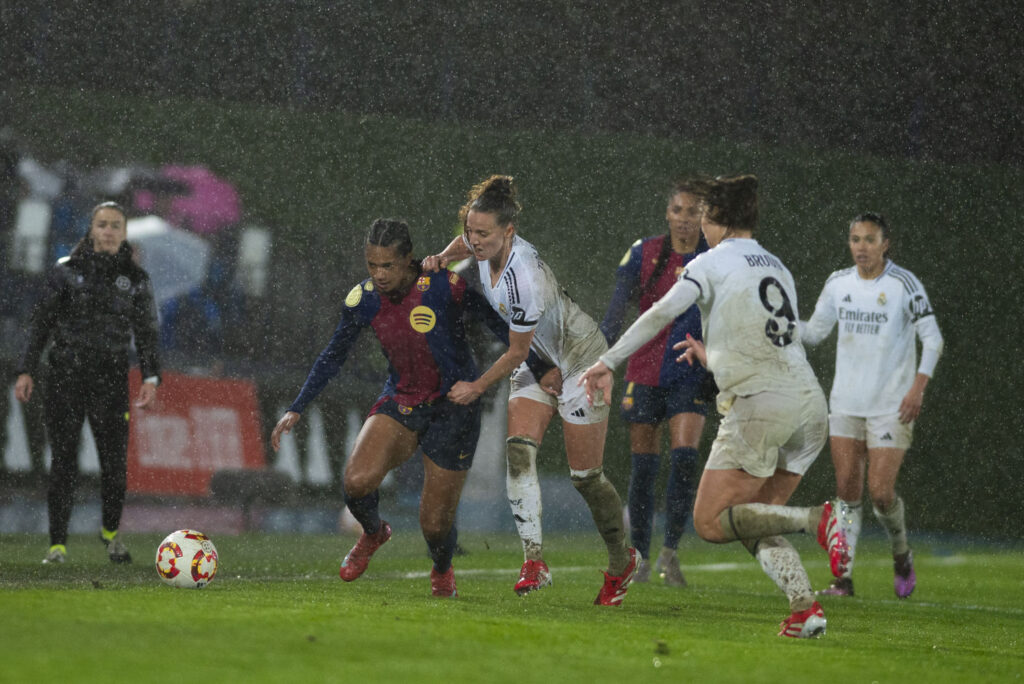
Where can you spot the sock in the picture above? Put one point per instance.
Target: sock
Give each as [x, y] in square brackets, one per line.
[107, 535]
[642, 478]
[895, 526]
[59, 547]
[856, 518]
[606, 509]
[523, 488]
[781, 562]
[365, 511]
[679, 497]
[443, 550]
[755, 520]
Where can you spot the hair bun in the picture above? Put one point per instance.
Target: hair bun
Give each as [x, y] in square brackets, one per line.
[503, 185]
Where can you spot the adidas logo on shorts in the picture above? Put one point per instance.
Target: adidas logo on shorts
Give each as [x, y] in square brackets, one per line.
[887, 436]
[580, 413]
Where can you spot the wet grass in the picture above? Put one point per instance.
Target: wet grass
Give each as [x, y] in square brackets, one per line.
[278, 612]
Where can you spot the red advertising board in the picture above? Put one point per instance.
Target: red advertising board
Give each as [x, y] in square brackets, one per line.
[198, 426]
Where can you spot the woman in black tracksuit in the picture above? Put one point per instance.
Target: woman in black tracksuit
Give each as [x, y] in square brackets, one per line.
[95, 301]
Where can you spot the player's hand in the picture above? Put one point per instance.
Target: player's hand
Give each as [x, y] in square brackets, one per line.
[283, 427]
[597, 381]
[23, 387]
[435, 262]
[910, 407]
[147, 396]
[692, 350]
[551, 382]
[464, 392]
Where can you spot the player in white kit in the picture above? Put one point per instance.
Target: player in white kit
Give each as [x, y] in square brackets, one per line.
[879, 386]
[524, 291]
[774, 414]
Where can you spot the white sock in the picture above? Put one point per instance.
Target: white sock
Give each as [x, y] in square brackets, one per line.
[523, 488]
[856, 518]
[895, 526]
[781, 562]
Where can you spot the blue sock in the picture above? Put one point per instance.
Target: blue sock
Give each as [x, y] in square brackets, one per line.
[443, 550]
[365, 511]
[641, 500]
[682, 484]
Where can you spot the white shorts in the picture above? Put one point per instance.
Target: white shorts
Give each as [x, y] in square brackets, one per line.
[880, 432]
[767, 431]
[572, 403]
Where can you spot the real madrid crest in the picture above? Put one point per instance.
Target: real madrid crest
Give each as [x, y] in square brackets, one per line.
[423, 283]
[502, 309]
[881, 299]
[404, 410]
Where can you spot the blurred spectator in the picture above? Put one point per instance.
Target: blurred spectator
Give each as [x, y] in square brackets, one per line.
[14, 307]
[193, 325]
[70, 212]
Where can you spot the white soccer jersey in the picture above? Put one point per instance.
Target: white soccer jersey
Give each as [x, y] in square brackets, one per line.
[876, 357]
[748, 306]
[528, 297]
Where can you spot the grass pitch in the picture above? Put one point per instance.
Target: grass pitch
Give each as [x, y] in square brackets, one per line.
[277, 612]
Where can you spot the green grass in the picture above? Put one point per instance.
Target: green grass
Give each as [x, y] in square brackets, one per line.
[278, 612]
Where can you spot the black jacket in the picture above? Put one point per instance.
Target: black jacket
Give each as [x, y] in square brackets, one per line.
[91, 307]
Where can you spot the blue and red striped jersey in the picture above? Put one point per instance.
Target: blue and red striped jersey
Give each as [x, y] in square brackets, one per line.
[422, 336]
[654, 363]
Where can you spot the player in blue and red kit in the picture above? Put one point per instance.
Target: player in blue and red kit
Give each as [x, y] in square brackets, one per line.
[658, 389]
[417, 318]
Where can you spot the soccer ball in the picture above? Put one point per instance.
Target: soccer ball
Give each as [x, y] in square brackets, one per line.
[186, 559]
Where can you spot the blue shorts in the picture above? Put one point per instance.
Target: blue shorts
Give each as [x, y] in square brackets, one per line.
[649, 405]
[447, 432]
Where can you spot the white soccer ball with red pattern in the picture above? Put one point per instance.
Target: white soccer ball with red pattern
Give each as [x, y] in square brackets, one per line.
[186, 559]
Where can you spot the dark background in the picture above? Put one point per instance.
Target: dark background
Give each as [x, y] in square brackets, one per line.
[327, 117]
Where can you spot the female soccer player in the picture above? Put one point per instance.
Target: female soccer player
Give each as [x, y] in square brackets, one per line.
[774, 413]
[658, 389]
[96, 300]
[417, 318]
[541, 316]
[879, 387]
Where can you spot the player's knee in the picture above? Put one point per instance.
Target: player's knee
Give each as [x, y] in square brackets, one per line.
[358, 485]
[707, 526]
[583, 480]
[521, 454]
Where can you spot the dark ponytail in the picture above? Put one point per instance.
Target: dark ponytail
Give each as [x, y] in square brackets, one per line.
[692, 185]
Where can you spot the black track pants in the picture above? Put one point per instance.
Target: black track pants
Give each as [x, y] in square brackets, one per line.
[98, 391]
